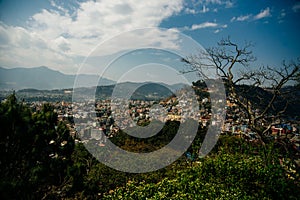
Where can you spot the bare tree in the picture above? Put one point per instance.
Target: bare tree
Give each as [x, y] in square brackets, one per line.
[232, 63]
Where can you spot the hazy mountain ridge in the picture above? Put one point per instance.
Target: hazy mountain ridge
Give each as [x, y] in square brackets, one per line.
[141, 91]
[44, 84]
[43, 78]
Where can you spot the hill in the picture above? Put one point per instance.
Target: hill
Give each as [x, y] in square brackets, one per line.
[43, 78]
[260, 97]
[141, 91]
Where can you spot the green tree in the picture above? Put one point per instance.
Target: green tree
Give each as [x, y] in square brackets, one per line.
[225, 174]
[35, 150]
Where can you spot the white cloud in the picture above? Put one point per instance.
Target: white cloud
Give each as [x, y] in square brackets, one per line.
[190, 11]
[240, 18]
[58, 7]
[243, 17]
[281, 16]
[226, 3]
[214, 25]
[193, 11]
[296, 7]
[204, 6]
[263, 14]
[57, 38]
[204, 25]
[282, 13]
[212, 2]
[204, 9]
[25, 48]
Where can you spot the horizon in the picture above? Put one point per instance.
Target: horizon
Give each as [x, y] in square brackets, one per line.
[113, 82]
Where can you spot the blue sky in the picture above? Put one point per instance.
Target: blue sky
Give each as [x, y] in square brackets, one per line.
[62, 34]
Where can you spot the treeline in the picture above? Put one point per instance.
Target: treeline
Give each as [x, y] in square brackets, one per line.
[40, 160]
[35, 150]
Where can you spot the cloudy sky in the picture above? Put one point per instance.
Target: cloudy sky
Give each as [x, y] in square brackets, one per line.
[61, 34]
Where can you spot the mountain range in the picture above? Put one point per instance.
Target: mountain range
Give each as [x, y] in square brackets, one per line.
[44, 78]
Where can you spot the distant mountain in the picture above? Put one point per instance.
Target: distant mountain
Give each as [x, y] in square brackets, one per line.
[43, 78]
[137, 91]
[141, 91]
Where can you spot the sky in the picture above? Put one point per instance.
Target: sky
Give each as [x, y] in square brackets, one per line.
[104, 36]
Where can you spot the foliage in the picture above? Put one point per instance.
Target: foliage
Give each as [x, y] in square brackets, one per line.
[221, 176]
[40, 160]
[35, 150]
[162, 138]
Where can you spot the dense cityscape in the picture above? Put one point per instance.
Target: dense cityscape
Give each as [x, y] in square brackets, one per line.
[101, 123]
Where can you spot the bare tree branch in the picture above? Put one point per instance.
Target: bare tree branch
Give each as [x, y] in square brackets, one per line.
[227, 58]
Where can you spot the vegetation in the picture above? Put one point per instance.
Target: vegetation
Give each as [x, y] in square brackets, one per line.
[261, 108]
[40, 160]
[223, 176]
[232, 63]
[35, 150]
